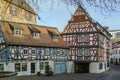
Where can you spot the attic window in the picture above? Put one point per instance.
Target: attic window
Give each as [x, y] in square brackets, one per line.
[13, 11]
[55, 37]
[18, 32]
[36, 34]
[34, 31]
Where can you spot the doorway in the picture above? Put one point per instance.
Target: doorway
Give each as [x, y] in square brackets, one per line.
[32, 67]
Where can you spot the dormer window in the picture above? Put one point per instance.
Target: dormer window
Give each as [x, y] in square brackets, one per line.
[55, 37]
[13, 11]
[18, 31]
[36, 34]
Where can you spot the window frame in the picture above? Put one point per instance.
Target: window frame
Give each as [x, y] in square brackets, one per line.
[80, 52]
[36, 34]
[44, 63]
[18, 32]
[1, 67]
[18, 66]
[24, 69]
[13, 10]
[25, 52]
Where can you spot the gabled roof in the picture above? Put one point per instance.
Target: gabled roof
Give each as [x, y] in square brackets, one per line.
[86, 14]
[20, 3]
[26, 39]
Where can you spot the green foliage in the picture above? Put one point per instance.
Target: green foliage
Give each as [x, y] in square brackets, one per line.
[38, 73]
[48, 71]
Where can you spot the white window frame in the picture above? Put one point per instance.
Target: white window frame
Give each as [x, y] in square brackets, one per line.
[36, 34]
[18, 32]
[34, 51]
[44, 64]
[25, 51]
[21, 67]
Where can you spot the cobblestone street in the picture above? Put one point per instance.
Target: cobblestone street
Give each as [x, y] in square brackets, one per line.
[112, 74]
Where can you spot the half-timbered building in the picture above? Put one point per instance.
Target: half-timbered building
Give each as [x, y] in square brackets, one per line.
[115, 52]
[89, 43]
[25, 47]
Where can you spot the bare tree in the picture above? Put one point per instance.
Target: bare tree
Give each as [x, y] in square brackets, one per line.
[104, 5]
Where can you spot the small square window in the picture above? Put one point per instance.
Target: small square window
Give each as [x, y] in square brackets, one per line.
[55, 37]
[18, 32]
[33, 51]
[36, 34]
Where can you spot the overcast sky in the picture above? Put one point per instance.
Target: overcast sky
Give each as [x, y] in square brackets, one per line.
[59, 14]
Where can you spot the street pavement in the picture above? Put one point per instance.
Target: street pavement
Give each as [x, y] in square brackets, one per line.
[112, 74]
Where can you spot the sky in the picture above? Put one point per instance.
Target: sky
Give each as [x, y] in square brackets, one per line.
[58, 16]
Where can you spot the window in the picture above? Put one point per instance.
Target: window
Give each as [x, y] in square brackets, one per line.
[80, 52]
[1, 40]
[20, 67]
[17, 67]
[36, 34]
[118, 34]
[33, 51]
[47, 52]
[18, 32]
[28, 16]
[1, 67]
[42, 51]
[42, 65]
[86, 38]
[24, 66]
[80, 38]
[86, 52]
[55, 37]
[13, 11]
[25, 51]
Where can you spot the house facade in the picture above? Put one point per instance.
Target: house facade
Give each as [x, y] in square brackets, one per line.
[115, 52]
[25, 47]
[17, 11]
[115, 33]
[89, 43]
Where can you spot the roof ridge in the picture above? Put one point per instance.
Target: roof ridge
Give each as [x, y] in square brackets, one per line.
[28, 24]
